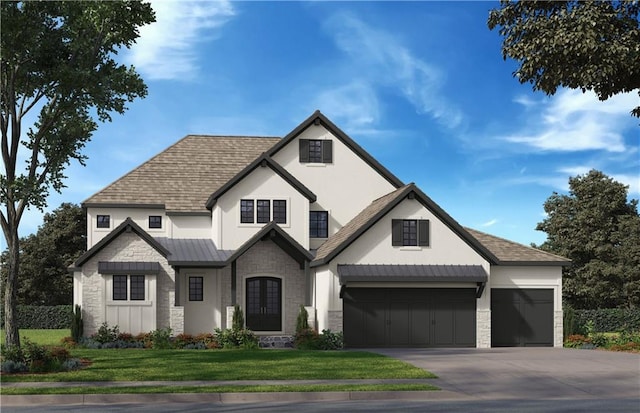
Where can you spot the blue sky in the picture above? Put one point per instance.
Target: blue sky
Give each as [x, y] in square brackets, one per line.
[422, 86]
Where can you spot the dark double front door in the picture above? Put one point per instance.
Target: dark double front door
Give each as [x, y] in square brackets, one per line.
[264, 304]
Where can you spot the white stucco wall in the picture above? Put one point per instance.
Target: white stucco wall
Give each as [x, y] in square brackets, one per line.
[189, 226]
[261, 183]
[118, 215]
[343, 187]
[206, 315]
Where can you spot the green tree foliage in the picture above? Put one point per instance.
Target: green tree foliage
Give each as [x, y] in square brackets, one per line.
[599, 230]
[588, 45]
[46, 255]
[57, 67]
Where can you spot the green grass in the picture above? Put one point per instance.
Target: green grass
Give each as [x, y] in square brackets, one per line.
[179, 365]
[220, 389]
[43, 337]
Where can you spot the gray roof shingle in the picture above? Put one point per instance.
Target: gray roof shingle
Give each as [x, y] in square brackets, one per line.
[513, 253]
[183, 176]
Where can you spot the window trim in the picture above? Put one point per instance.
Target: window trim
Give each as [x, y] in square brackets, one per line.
[100, 224]
[193, 294]
[271, 201]
[131, 290]
[159, 223]
[317, 235]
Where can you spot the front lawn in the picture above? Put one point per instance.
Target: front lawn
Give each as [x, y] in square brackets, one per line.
[42, 337]
[180, 365]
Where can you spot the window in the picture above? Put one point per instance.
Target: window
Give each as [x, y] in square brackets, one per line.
[410, 232]
[137, 287]
[246, 211]
[195, 288]
[120, 287]
[316, 151]
[264, 211]
[318, 224]
[280, 211]
[135, 290]
[155, 221]
[103, 221]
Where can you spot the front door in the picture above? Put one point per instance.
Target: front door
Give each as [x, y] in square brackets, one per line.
[264, 304]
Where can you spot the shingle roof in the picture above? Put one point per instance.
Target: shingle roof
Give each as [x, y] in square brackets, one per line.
[513, 253]
[408, 273]
[376, 210]
[357, 225]
[190, 251]
[183, 176]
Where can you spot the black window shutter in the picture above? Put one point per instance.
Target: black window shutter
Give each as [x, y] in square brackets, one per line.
[304, 150]
[396, 232]
[423, 232]
[327, 151]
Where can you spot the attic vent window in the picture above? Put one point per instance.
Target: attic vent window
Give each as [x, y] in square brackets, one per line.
[316, 151]
[155, 221]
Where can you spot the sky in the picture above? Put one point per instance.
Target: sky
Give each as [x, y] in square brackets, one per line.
[422, 86]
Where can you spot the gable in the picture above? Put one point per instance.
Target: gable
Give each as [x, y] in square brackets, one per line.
[445, 247]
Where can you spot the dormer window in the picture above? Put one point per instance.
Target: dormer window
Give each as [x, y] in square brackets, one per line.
[316, 151]
[410, 232]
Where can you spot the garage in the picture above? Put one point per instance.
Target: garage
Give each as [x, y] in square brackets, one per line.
[521, 317]
[409, 317]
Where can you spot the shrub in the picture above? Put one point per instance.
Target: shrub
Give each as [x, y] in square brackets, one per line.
[77, 324]
[331, 341]
[106, 334]
[183, 340]
[71, 364]
[307, 339]
[10, 366]
[161, 339]
[576, 341]
[237, 321]
[230, 338]
[69, 342]
[302, 322]
[41, 316]
[13, 353]
[610, 319]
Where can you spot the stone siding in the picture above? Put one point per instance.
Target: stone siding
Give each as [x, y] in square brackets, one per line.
[483, 328]
[558, 329]
[265, 258]
[126, 247]
[335, 321]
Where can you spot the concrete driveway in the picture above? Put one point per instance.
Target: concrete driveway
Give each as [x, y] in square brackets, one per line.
[529, 373]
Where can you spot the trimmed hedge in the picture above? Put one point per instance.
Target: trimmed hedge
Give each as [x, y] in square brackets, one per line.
[609, 319]
[42, 316]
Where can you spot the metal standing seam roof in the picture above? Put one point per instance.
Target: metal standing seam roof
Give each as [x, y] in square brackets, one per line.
[408, 273]
[128, 267]
[183, 176]
[193, 251]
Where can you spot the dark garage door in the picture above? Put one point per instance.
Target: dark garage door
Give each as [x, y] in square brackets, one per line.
[401, 317]
[521, 317]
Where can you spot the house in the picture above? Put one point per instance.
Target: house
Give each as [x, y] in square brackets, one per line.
[311, 219]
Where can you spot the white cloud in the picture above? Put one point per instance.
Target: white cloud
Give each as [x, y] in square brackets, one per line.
[489, 223]
[576, 121]
[166, 48]
[381, 60]
[354, 105]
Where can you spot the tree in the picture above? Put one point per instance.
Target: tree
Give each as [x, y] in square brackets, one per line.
[57, 60]
[588, 45]
[46, 255]
[599, 230]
